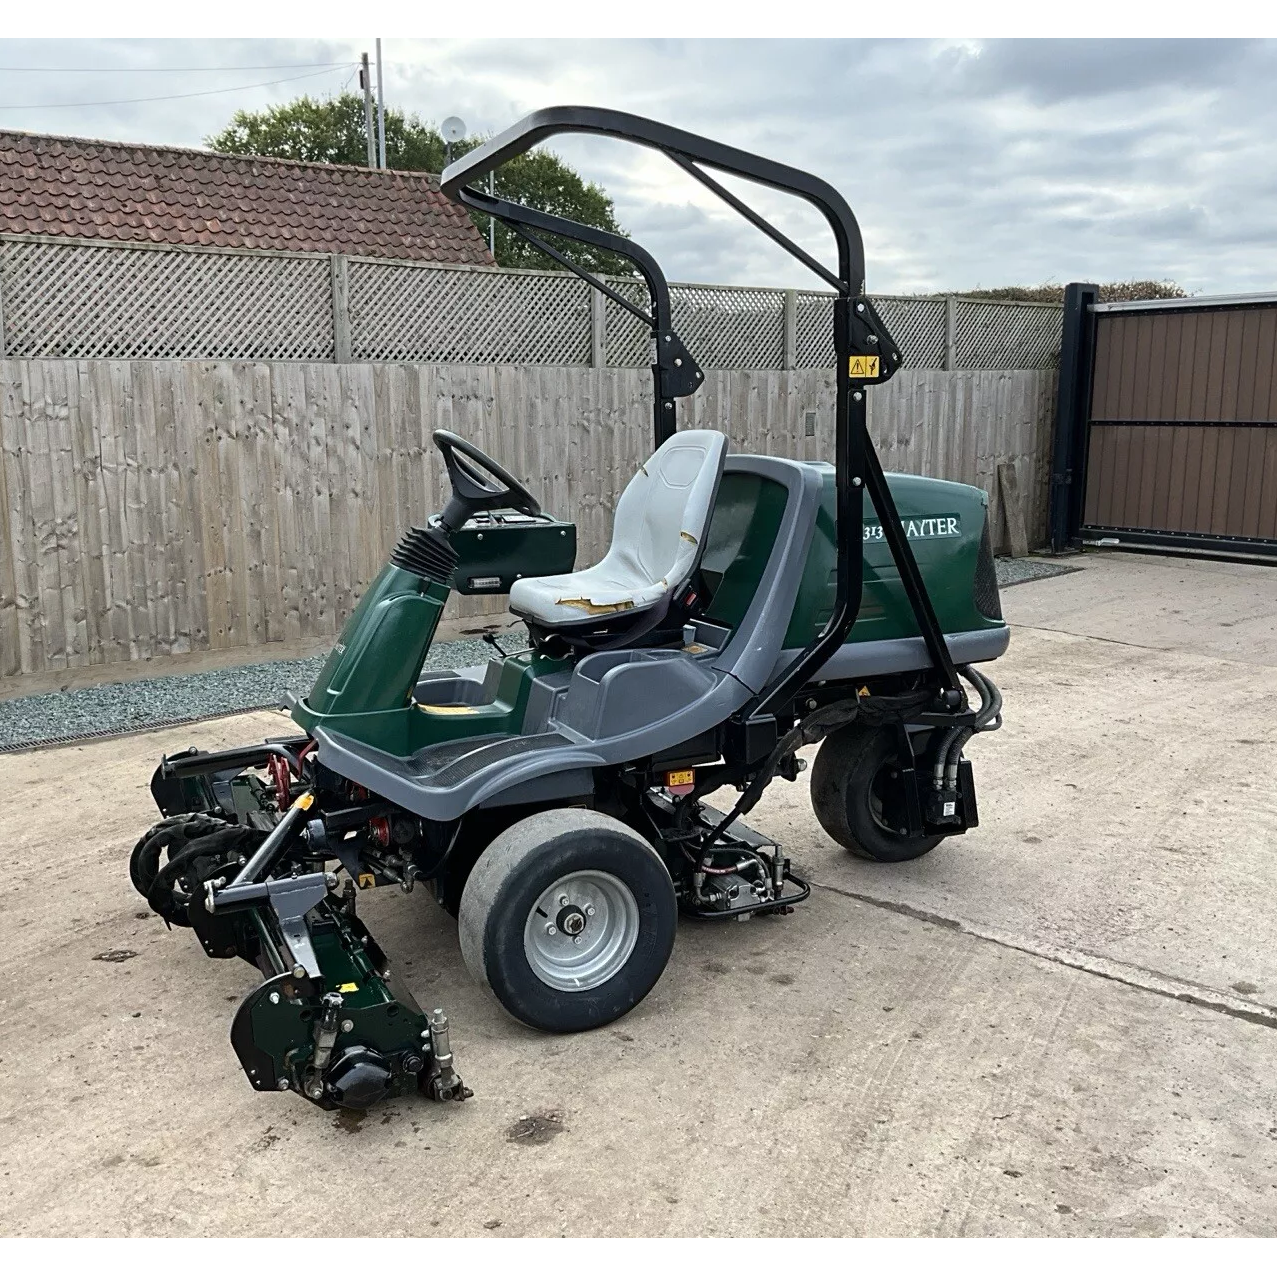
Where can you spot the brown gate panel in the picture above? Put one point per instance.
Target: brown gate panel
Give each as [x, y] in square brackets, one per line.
[1215, 480]
[1190, 366]
[1182, 435]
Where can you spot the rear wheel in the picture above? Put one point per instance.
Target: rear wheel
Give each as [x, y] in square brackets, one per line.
[569, 918]
[855, 792]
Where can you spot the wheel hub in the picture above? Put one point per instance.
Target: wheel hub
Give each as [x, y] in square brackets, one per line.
[581, 931]
[571, 921]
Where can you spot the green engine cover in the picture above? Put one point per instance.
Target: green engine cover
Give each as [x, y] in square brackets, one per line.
[946, 526]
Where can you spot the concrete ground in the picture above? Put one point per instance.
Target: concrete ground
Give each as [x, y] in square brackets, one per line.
[1061, 1023]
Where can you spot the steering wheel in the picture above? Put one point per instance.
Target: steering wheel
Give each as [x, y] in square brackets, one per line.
[471, 473]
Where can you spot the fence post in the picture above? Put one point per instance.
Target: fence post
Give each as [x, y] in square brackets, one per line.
[790, 344]
[950, 333]
[341, 307]
[598, 329]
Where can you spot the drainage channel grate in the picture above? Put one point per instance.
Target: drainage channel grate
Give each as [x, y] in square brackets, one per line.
[132, 729]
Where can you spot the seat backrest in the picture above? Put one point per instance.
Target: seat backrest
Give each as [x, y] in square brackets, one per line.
[661, 517]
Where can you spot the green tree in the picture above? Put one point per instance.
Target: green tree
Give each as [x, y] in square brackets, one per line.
[332, 131]
[1130, 290]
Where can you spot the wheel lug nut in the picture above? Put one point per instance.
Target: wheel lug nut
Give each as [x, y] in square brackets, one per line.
[347, 1025]
[563, 900]
[576, 939]
[551, 930]
[589, 911]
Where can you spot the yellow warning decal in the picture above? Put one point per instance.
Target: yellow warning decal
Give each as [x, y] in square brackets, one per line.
[687, 777]
[305, 801]
[348, 988]
[367, 880]
[862, 365]
[448, 709]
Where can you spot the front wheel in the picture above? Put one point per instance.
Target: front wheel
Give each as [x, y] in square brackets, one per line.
[855, 792]
[569, 918]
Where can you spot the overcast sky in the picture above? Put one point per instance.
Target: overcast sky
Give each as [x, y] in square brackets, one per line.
[969, 164]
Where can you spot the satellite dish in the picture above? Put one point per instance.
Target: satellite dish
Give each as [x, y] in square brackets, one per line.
[454, 128]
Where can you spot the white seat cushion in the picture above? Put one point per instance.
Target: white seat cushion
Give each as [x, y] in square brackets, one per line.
[659, 524]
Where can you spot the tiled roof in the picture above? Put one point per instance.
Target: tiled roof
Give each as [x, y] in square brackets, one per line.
[167, 195]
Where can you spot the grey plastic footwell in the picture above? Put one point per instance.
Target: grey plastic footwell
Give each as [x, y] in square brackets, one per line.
[445, 781]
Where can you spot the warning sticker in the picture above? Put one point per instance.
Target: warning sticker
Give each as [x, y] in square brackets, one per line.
[680, 778]
[366, 881]
[862, 365]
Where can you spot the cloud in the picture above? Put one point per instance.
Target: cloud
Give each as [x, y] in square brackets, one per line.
[1050, 71]
[968, 163]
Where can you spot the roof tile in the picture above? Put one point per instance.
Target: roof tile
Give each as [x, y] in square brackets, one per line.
[113, 190]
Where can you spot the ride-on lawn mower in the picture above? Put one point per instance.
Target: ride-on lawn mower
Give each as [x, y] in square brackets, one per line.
[554, 800]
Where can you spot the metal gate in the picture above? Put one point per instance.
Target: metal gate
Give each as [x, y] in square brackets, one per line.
[1167, 426]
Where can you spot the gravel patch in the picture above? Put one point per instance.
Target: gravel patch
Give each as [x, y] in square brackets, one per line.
[115, 708]
[1017, 571]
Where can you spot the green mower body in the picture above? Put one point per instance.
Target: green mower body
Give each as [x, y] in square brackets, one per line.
[365, 689]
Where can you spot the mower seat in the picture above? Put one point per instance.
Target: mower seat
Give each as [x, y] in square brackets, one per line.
[657, 531]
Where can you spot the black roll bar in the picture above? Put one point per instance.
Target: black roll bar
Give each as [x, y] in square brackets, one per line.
[674, 371]
[864, 353]
[540, 125]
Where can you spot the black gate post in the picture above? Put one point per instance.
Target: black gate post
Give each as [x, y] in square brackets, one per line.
[1072, 407]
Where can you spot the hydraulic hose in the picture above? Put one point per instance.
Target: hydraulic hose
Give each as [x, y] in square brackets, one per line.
[947, 742]
[816, 726]
[218, 844]
[988, 718]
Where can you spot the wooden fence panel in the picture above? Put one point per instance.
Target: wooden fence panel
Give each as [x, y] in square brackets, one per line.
[160, 507]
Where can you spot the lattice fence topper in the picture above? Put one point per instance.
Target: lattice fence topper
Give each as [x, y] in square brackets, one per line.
[92, 299]
[87, 301]
[1006, 336]
[723, 327]
[814, 330]
[917, 325]
[425, 314]
[626, 340]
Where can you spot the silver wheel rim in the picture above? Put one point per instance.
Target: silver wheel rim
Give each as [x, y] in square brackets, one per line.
[581, 931]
